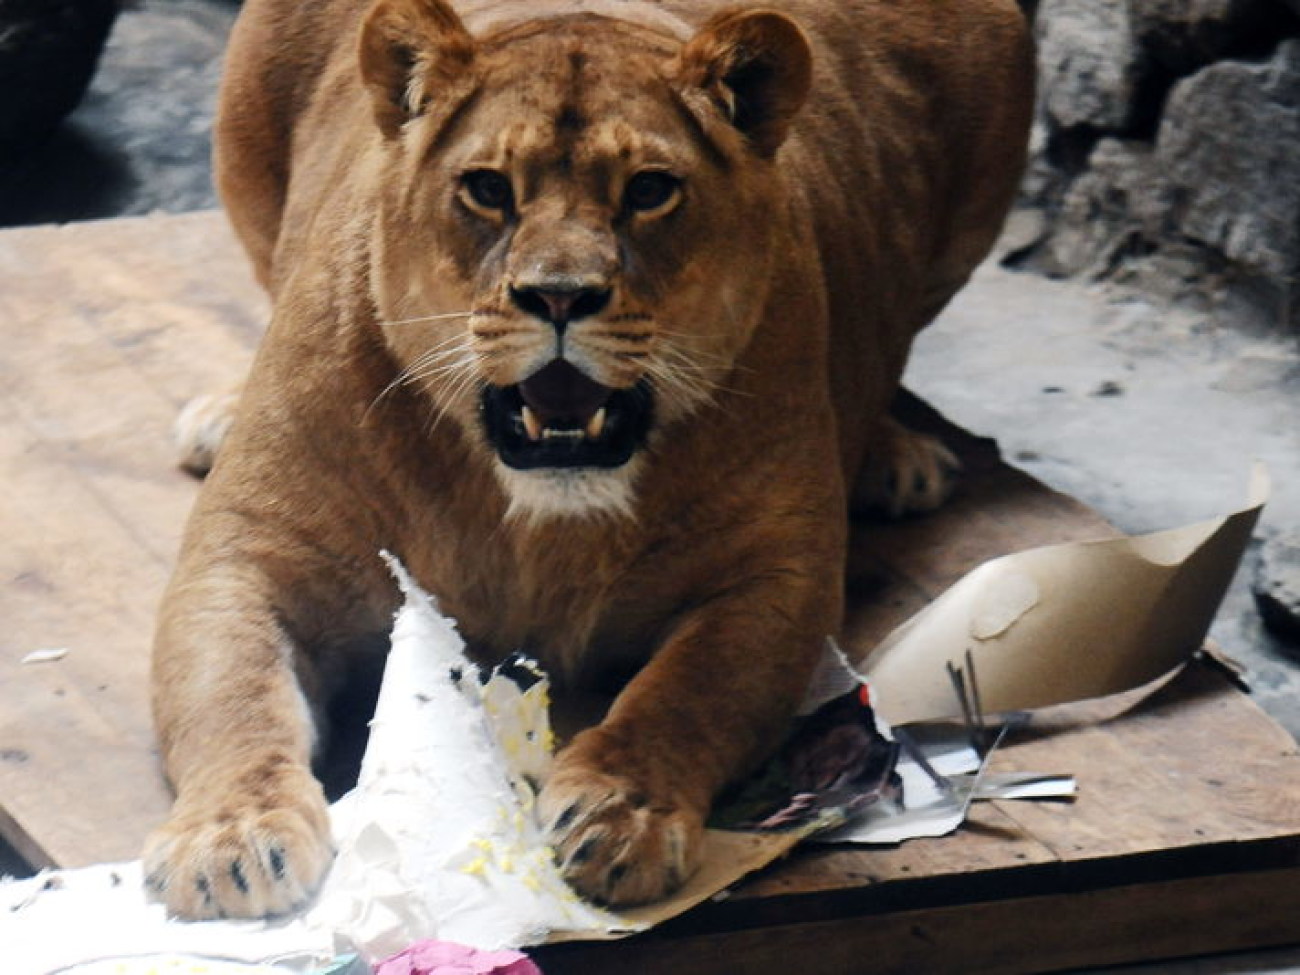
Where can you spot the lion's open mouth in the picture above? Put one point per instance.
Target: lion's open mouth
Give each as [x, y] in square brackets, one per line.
[559, 417]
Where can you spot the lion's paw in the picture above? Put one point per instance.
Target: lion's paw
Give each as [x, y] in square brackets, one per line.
[201, 428]
[616, 843]
[907, 473]
[230, 858]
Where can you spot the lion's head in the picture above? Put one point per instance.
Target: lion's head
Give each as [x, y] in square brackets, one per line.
[576, 228]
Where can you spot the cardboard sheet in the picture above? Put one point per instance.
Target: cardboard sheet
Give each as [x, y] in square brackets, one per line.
[1065, 622]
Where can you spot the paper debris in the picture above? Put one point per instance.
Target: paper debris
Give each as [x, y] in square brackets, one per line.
[842, 776]
[430, 957]
[1065, 622]
[45, 655]
[931, 808]
[440, 840]
[105, 911]
[1001, 605]
[1016, 785]
[170, 964]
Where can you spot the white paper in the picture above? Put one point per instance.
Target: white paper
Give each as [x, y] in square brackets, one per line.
[59, 919]
[45, 655]
[440, 839]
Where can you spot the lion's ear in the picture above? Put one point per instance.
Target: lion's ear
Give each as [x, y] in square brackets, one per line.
[410, 51]
[757, 66]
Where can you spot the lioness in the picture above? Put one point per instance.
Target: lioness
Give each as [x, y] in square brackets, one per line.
[590, 311]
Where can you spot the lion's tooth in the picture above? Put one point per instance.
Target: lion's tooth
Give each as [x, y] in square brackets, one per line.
[531, 424]
[596, 425]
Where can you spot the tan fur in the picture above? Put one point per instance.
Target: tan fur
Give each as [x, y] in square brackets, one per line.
[839, 180]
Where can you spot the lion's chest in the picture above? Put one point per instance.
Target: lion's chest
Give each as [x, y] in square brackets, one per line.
[578, 605]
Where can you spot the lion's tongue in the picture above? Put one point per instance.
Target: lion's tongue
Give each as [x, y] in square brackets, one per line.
[560, 397]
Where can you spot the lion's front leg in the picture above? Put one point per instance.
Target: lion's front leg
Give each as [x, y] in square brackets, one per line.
[626, 803]
[249, 833]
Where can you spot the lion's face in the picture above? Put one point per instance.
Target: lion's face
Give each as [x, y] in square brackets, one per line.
[575, 239]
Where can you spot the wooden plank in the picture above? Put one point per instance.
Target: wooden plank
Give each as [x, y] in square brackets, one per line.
[1105, 926]
[76, 761]
[109, 327]
[1194, 762]
[1189, 794]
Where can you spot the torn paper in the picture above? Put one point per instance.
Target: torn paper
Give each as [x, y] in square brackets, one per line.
[439, 840]
[97, 917]
[845, 776]
[1065, 622]
[45, 655]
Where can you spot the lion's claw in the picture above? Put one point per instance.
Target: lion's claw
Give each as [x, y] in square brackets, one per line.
[613, 842]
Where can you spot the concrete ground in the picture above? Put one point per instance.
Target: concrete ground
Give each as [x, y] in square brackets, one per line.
[1149, 414]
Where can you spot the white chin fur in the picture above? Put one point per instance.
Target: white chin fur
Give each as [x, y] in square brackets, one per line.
[578, 492]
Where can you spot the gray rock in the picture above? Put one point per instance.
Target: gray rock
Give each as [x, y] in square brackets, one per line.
[1212, 203]
[1277, 584]
[1111, 208]
[1088, 63]
[1227, 151]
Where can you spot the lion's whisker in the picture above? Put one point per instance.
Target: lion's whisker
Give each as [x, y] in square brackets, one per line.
[426, 318]
[461, 385]
[432, 370]
[429, 363]
[678, 371]
[461, 347]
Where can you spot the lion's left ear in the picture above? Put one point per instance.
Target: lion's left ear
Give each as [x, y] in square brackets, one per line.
[410, 52]
[757, 66]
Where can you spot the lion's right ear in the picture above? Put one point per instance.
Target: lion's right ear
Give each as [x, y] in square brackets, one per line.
[410, 51]
[756, 67]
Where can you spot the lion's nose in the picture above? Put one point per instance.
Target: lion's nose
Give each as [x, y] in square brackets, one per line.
[559, 304]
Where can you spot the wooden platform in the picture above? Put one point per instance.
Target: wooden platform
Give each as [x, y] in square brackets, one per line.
[1185, 838]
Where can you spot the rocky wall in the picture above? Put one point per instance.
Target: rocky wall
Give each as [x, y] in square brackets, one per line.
[1167, 150]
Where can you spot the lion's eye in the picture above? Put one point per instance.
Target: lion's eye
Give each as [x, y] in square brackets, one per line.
[651, 190]
[489, 189]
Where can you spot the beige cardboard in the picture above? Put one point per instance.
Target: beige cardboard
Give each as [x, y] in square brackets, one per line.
[1064, 622]
[728, 858]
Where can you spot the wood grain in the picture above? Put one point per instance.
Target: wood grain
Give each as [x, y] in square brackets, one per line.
[108, 328]
[1009, 936]
[1189, 805]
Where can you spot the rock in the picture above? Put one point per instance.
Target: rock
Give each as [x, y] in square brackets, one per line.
[1227, 150]
[1141, 170]
[1088, 63]
[48, 53]
[1111, 208]
[1277, 585]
